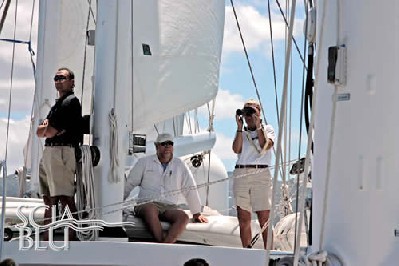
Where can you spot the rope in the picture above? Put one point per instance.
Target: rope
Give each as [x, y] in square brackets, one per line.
[285, 202]
[3, 166]
[300, 208]
[85, 192]
[273, 60]
[256, 237]
[293, 39]
[249, 65]
[114, 178]
[282, 114]
[311, 126]
[3, 17]
[318, 258]
[31, 51]
[91, 12]
[247, 56]
[2, 3]
[130, 202]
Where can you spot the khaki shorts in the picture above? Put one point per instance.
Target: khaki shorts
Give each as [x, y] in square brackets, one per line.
[252, 188]
[162, 207]
[57, 171]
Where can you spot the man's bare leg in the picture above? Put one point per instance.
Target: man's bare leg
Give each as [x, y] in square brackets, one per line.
[70, 202]
[263, 216]
[244, 220]
[47, 215]
[178, 220]
[149, 213]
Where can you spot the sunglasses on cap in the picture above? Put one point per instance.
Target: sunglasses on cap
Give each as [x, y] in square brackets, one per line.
[166, 143]
[59, 77]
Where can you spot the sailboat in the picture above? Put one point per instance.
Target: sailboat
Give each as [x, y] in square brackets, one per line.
[353, 164]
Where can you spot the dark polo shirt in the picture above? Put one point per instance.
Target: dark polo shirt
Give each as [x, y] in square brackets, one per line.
[66, 115]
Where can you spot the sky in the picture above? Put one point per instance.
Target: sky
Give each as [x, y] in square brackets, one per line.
[235, 80]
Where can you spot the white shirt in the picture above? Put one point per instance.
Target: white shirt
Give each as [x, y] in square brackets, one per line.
[251, 155]
[163, 185]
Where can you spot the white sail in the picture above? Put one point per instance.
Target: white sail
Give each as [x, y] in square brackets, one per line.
[182, 71]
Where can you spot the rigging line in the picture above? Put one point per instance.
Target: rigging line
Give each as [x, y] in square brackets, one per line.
[212, 116]
[91, 12]
[273, 60]
[293, 39]
[301, 122]
[249, 64]
[14, 41]
[3, 17]
[282, 113]
[29, 43]
[2, 3]
[247, 57]
[127, 203]
[7, 134]
[297, 230]
[32, 53]
[3, 164]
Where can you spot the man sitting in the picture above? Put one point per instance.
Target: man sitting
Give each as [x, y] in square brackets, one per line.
[162, 179]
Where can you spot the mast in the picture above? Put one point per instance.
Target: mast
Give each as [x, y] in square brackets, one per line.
[112, 83]
[355, 160]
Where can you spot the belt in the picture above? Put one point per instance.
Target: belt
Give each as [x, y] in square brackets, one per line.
[55, 144]
[251, 166]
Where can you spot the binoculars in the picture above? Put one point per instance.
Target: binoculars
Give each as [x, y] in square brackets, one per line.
[246, 111]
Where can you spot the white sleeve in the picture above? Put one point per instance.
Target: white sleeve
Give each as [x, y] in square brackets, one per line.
[134, 178]
[270, 132]
[190, 191]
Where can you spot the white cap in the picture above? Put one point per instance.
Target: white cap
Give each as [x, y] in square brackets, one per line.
[164, 137]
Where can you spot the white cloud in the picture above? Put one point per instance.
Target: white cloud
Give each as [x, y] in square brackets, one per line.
[255, 29]
[17, 137]
[226, 105]
[223, 147]
[21, 95]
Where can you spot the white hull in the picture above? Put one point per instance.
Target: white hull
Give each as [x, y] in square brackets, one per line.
[130, 253]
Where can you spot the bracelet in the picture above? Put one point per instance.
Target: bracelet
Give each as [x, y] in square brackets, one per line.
[239, 130]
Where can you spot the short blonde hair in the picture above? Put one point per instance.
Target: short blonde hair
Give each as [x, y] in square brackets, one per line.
[252, 102]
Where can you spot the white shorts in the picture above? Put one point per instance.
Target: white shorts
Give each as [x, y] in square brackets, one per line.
[252, 188]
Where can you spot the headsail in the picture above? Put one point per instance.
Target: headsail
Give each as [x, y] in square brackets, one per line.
[176, 56]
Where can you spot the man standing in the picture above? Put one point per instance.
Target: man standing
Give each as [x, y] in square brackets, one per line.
[162, 179]
[252, 185]
[62, 131]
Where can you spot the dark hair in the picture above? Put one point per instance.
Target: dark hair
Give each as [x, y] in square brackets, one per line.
[7, 262]
[70, 72]
[196, 262]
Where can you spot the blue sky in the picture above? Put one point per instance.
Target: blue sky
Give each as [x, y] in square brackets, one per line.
[235, 81]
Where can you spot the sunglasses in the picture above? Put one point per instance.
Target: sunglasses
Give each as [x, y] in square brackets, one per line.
[166, 143]
[59, 77]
